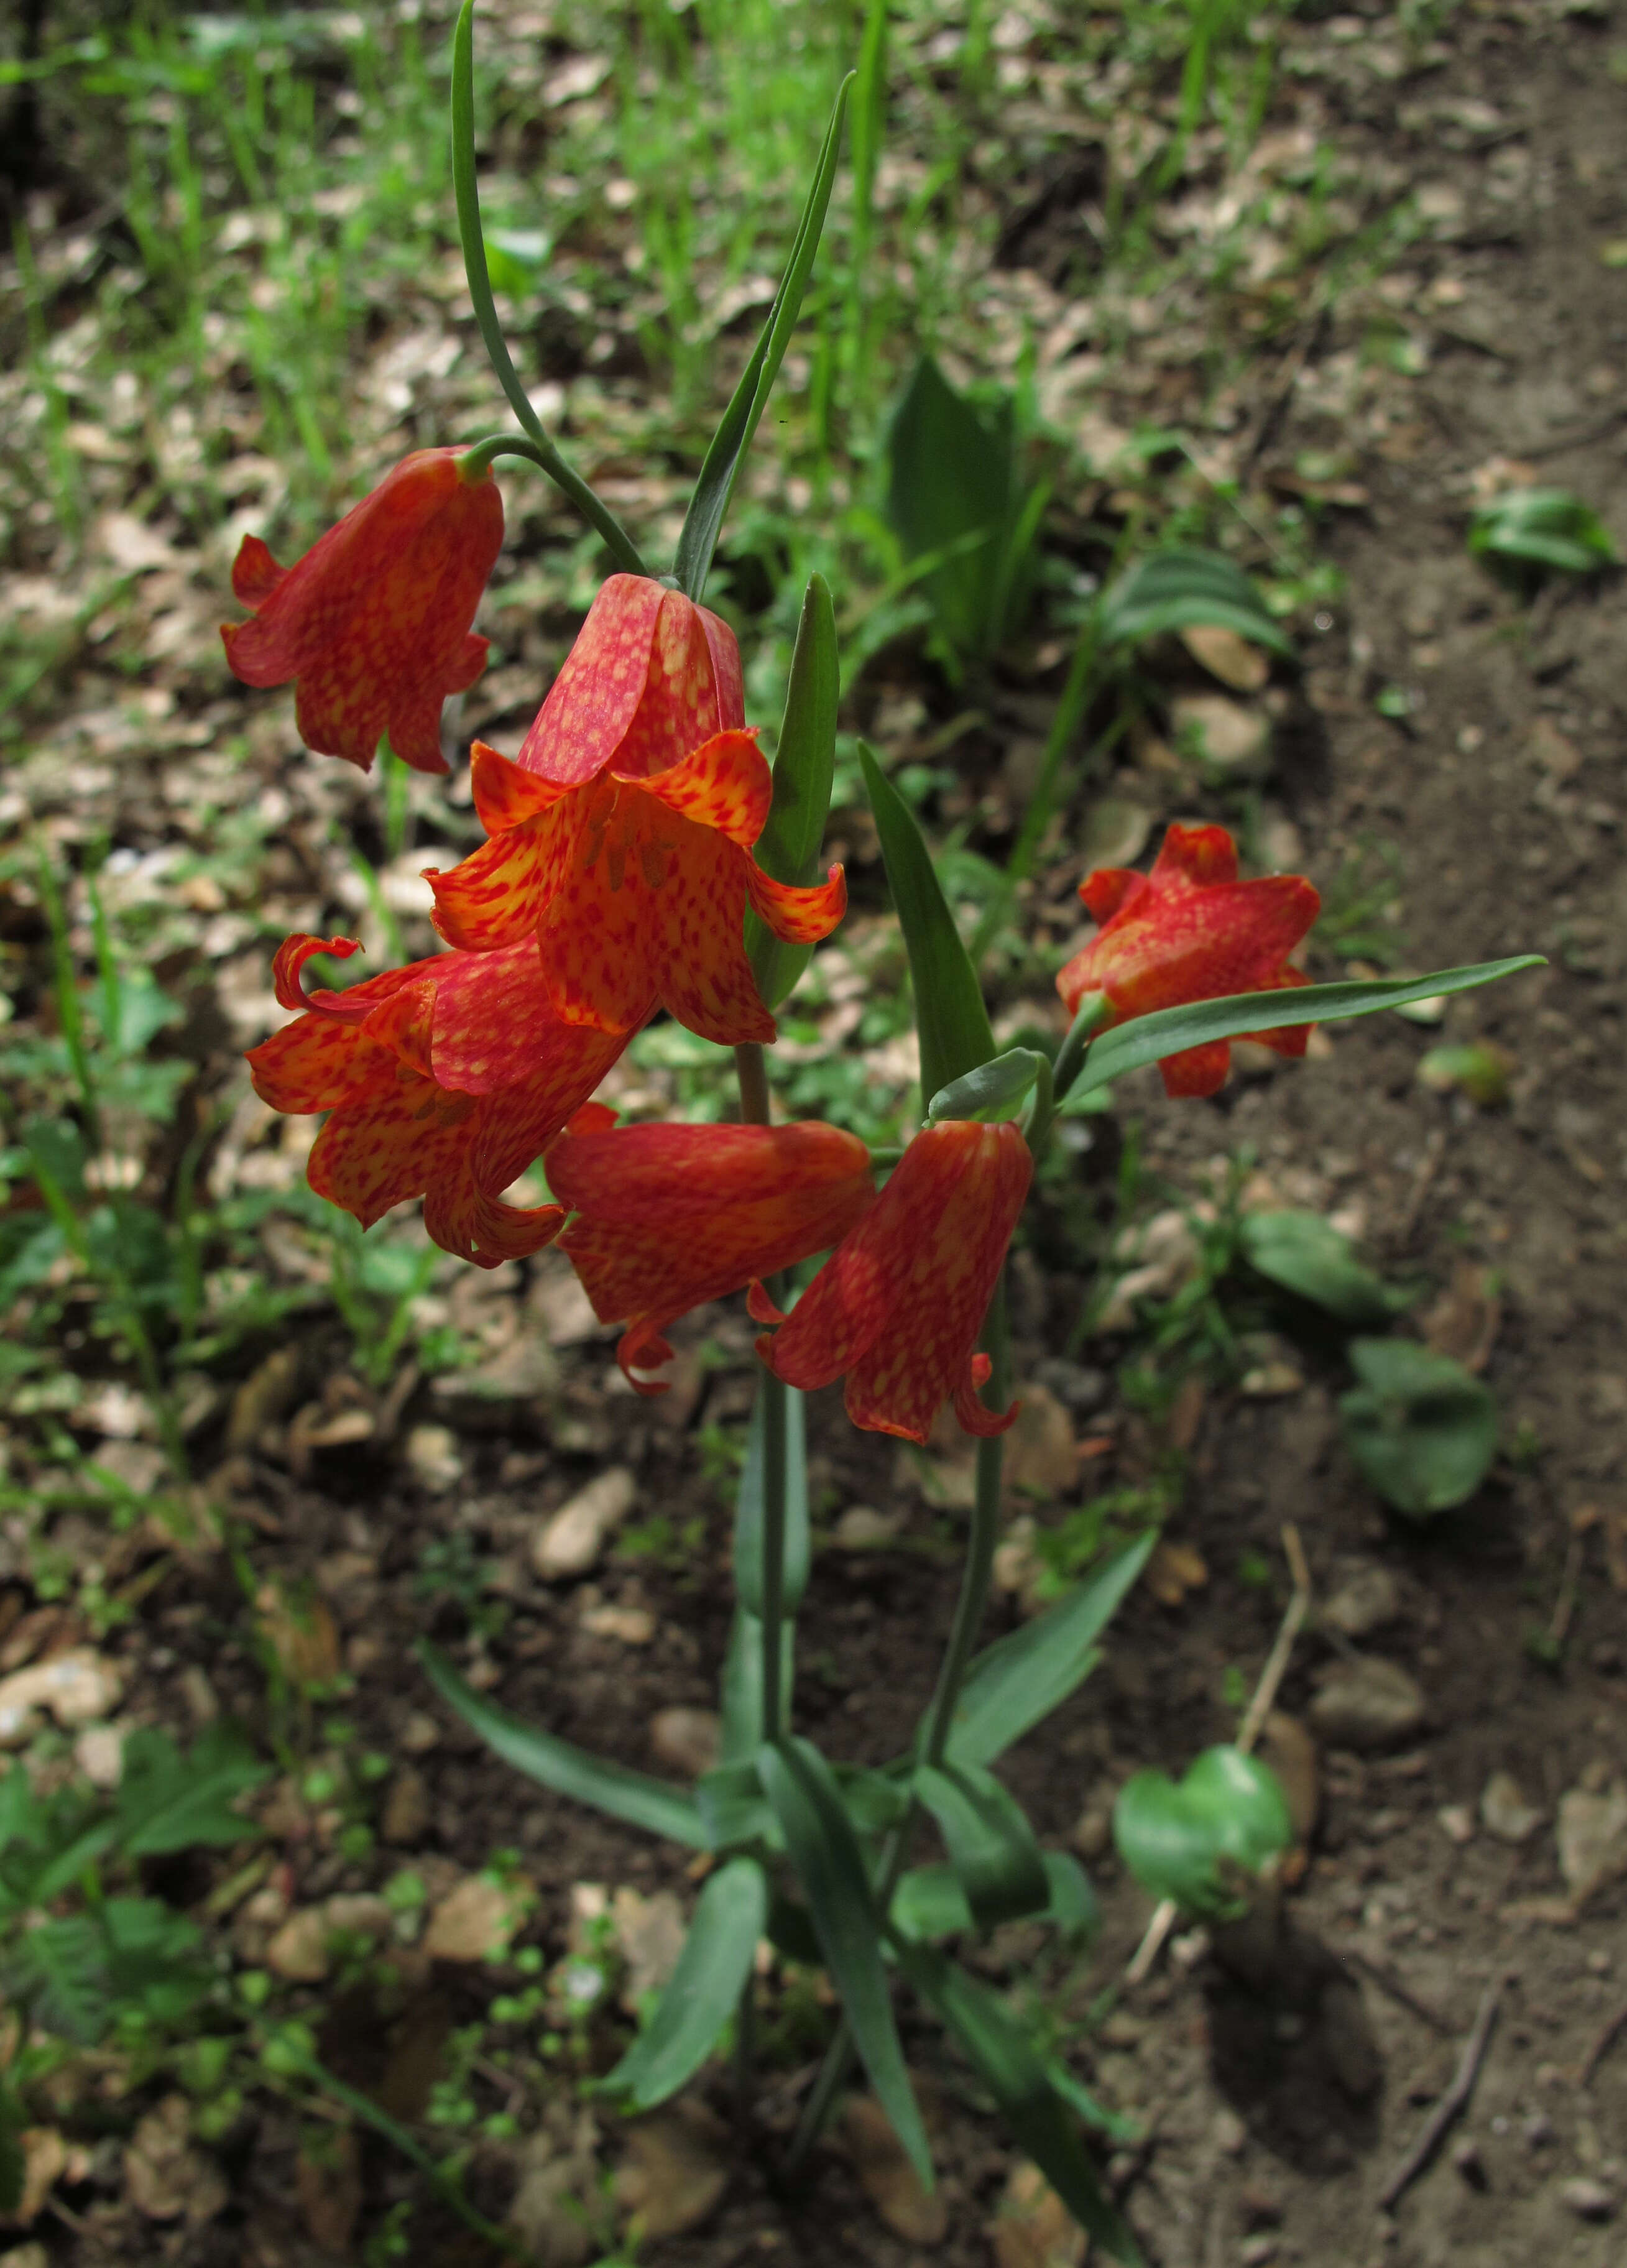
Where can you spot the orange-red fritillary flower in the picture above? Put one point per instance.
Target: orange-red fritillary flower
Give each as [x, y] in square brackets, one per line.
[668, 1217]
[899, 1304]
[373, 624]
[621, 837]
[1190, 930]
[445, 1079]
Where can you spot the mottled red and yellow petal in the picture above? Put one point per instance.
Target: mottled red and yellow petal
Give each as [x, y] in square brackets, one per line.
[725, 785]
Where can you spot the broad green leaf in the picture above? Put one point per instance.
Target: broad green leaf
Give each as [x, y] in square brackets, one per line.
[749, 1507]
[168, 1802]
[1179, 590]
[1010, 2066]
[1199, 1842]
[804, 768]
[790, 1931]
[991, 1843]
[704, 1989]
[873, 1801]
[830, 1868]
[952, 497]
[930, 1902]
[656, 1805]
[58, 1969]
[995, 1090]
[154, 1958]
[1307, 1254]
[1023, 1676]
[1422, 1429]
[1541, 527]
[729, 444]
[1145, 1039]
[950, 1014]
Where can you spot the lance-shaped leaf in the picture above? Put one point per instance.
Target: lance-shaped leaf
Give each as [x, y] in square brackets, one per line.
[655, 1805]
[748, 1513]
[991, 1843]
[993, 1090]
[1184, 588]
[1145, 1039]
[1023, 1676]
[1000, 2051]
[830, 1868]
[930, 1903]
[729, 444]
[703, 1991]
[950, 1014]
[788, 848]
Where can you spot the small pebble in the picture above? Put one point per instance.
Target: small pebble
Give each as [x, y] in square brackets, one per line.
[1588, 2199]
[1255, 2251]
[1457, 1821]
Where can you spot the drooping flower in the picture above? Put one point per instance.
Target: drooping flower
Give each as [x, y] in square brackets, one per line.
[373, 624]
[1190, 930]
[899, 1304]
[622, 836]
[668, 1217]
[445, 1080]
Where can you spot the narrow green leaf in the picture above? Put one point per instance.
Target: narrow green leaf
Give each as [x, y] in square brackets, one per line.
[749, 1505]
[1145, 1039]
[1541, 527]
[994, 1090]
[991, 1843]
[804, 768]
[1180, 589]
[1023, 1676]
[831, 1870]
[1422, 1428]
[1307, 1254]
[704, 1989]
[732, 1806]
[1010, 2066]
[733, 438]
[950, 1014]
[656, 1805]
[1203, 1841]
[742, 1683]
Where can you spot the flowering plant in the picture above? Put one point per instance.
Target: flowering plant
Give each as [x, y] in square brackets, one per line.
[643, 857]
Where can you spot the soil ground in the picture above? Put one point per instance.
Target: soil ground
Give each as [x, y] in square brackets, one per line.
[1273, 2108]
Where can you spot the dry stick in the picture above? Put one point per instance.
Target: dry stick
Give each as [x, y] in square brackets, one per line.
[1604, 2040]
[1451, 2103]
[1248, 1732]
[1388, 1981]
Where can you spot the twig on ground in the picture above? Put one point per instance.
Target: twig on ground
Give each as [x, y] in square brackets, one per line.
[1388, 1981]
[1451, 2103]
[1248, 1732]
[1604, 2039]
[1434, 1151]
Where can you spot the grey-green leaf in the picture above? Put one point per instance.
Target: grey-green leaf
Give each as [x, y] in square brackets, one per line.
[991, 1843]
[830, 1868]
[1023, 1676]
[703, 1991]
[1422, 1428]
[804, 768]
[994, 1090]
[1145, 1039]
[1307, 1254]
[656, 1805]
[950, 1015]
[1181, 589]
[1200, 1841]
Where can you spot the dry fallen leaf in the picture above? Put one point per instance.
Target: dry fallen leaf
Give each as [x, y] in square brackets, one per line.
[1227, 656]
[886, 2177]
[1173, 1571]
[169, 2179]
[1032, 2227]
[1463, 1322]
[675, 2170]
[476, 1921]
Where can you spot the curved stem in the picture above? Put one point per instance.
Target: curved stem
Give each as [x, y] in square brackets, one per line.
[1094, 1009]
[543, 453]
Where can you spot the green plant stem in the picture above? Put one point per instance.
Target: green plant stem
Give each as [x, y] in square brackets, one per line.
[542, 451]
[939, 1722]
[1071, 707]
[1094, 1009]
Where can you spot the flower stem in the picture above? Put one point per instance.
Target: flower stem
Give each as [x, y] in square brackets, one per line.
[542, 451]
[1094, 1009]
[934, 1739]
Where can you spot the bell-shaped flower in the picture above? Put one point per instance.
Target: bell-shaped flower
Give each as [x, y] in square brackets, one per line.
[900, 1302]
[622, 836]
[668, 1217]
[373, 624]
[1190, 930]
[445, 1080]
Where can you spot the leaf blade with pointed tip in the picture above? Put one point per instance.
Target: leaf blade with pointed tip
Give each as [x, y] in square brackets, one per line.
[991, 1843]
[703, 1991]
[805, 765]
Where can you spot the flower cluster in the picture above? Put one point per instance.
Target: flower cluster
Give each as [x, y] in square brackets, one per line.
[614, 883]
